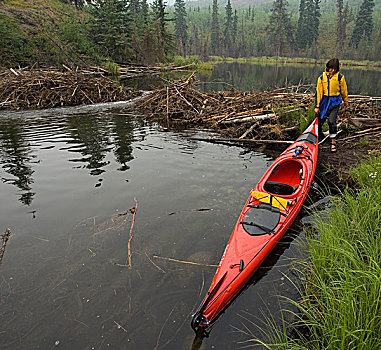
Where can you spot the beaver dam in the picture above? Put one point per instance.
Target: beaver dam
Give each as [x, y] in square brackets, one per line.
[48, 88]
[269, 117]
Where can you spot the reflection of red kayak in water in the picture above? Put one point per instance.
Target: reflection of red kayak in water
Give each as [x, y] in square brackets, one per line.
[271, 208]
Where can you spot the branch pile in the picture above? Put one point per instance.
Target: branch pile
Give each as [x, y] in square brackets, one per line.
[235, 114]
[127, 71]
[232, 113]
[37, 88]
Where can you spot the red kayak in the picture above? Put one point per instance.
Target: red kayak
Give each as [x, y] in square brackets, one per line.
[272, 206]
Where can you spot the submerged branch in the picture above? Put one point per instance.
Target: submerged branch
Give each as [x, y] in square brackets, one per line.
[133, 211]
[5, 238]
[182, 261]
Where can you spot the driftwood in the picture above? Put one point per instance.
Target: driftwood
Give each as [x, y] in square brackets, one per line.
[249, 118]
[183, 261]
[219, 140]
[39, 88]
[127, 71]
[133, 211]
[4, 241]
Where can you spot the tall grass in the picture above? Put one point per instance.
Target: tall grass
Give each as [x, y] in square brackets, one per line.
[340, 306]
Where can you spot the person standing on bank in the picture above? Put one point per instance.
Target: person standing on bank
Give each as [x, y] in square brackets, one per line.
[331, 91]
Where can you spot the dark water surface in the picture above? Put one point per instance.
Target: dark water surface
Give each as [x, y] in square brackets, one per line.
[266, 77]
[260, 77]
[68, 179]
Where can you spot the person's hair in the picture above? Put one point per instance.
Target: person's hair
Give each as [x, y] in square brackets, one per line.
[333, 63]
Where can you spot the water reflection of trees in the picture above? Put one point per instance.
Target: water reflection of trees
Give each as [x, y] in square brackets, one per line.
[123, 138]
[97, 136]
[260, 77]
[15, 155]
[92, 134]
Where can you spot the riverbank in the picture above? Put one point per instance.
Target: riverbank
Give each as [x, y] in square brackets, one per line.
[339, 306]
[208, 64]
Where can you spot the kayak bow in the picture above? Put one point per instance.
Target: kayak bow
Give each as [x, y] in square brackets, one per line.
[270, 209]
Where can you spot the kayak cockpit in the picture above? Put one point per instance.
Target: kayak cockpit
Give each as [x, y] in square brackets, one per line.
[285, 178]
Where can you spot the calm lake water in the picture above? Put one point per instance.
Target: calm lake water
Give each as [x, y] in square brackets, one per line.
[256, 77]
[262, 77]
[69, 177]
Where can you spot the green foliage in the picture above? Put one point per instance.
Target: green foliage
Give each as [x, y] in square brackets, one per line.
[368, 174]
[132, 30]
[279, 29]
[364, 23]
[112, 67]
[75, 34]
[184, 61]
[306, 119]
[181, 26]
[14, 46]
[228, 29]
[109, 28]
[215, 30]
[308, 23]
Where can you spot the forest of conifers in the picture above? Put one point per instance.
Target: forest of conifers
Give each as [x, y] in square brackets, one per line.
[136, 31]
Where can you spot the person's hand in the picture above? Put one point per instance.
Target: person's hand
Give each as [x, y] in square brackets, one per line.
[345, 106]
[317, 110]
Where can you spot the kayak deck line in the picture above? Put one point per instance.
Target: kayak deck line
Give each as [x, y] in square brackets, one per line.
[270, 209]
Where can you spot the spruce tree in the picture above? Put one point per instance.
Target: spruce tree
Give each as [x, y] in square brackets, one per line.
[228, 30]
[215, 32]
[235, 26]
[364, 23]
[302, 32]
[316, 21]
[340, 29]
[181, 26]
[110, 28]
[160, 18]
[279, 28]
[308, 23]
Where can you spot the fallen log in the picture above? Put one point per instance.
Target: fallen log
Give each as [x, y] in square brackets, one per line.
[250, 118]
[363, 121]
[241, 140]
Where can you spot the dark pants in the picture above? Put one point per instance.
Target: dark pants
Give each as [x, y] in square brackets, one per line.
[331, 117]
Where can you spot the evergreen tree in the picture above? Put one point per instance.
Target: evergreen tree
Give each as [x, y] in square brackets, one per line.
[340, 29]
[235, 26]
[110, 28]
[308, 23]
[134, 8]
[215, 32]
[316, 21]
[181, 26]
[345, 21]
[228, 30]
[279, 29]
[302, 33]
[160, 18]
[364, 23]
[158, 7]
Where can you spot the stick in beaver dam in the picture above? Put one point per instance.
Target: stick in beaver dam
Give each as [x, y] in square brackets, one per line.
[133, 211]
[5, 238]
